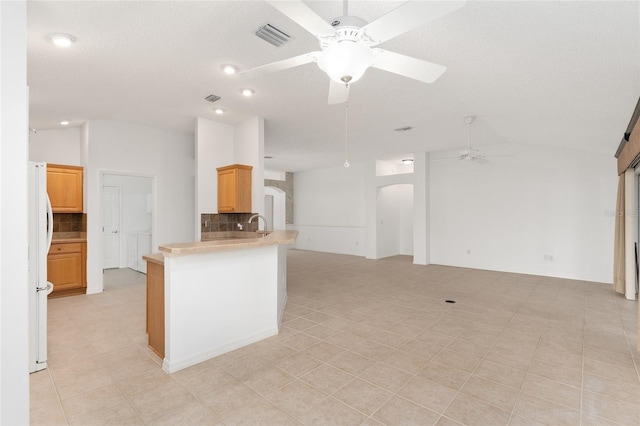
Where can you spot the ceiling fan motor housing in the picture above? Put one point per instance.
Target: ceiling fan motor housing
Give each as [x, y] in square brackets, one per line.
[346, 28]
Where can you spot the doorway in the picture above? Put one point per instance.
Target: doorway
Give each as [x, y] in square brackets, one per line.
[131, 211]
[394, 220]
[275, 206]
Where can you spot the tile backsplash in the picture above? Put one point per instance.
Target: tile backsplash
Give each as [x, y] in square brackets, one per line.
[220, 222]
[69, 222]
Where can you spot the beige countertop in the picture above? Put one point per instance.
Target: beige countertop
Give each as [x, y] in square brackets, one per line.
[228, 242]
[154, 258]
[69, 237]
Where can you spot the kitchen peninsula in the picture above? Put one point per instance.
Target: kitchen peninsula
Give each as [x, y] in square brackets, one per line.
[210, 297]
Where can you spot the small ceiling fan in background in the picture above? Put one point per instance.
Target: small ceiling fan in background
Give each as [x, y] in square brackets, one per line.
[348, 43]
[471, 154]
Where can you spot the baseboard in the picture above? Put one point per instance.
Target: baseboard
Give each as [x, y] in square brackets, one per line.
[177, 365]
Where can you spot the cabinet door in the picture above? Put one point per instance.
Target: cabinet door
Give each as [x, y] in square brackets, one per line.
[64, 185]
[65, 270]
[227, 191]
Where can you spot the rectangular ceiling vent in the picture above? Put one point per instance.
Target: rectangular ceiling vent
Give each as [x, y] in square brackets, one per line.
[212, 98]
[273, 35]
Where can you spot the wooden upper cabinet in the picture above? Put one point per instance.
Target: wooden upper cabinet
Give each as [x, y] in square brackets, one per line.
[234, 189]
[64, 185]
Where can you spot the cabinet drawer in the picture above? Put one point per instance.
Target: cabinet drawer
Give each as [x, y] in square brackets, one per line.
[65, 248]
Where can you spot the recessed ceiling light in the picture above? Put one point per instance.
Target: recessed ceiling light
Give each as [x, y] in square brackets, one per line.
[407, 161]
[219, 111]
[62, 40]
[247, 92]
[229, 69]
[64, 123]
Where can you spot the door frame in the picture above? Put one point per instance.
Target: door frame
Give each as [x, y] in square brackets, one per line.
[154, 205]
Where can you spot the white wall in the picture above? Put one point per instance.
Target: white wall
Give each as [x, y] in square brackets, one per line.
[214, 148]
[270, 174]
[248, 148]
[218, 145]
[329, 210]
[509, 213]
[387, 168]
[14, 302]
[56, 146]
[421, 208]
[514, 210]
[125, 148]
[133, 207]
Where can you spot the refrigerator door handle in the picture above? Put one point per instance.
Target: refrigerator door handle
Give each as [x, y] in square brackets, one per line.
[49, 223]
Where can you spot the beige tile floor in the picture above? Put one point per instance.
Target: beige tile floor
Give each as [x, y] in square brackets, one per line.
[363, 342]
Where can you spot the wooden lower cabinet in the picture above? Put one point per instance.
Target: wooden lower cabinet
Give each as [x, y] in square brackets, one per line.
[155, 306]
[66, 268]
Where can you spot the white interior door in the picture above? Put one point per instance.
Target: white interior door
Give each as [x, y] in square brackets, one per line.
[111, 226]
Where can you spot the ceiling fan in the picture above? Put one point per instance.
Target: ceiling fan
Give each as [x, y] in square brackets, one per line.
[471, 154]
[348, 43]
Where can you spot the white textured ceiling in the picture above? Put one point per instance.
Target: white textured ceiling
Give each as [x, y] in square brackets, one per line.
[550, 73]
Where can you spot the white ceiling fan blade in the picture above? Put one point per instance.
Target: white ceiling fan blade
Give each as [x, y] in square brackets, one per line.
[407, 66]
[281, 65]
[300, 13]
[408, 16]
[337, 93]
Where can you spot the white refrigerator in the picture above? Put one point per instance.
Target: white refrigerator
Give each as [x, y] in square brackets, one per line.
[40, 234]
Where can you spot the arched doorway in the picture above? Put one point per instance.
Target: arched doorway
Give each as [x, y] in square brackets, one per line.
[275, 209]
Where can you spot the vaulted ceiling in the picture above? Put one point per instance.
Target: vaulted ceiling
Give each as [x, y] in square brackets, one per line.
[550, 73]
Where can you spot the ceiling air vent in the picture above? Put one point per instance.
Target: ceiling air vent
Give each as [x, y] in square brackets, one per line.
[212, 98]
[273, 35]
[403, 129]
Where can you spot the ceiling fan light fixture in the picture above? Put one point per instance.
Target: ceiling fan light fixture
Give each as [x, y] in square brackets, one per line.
[346, 59]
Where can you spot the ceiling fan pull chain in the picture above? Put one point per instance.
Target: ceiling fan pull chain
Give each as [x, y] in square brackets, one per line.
[346, 125]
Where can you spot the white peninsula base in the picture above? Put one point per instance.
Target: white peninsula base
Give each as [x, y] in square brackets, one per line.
[217, 301]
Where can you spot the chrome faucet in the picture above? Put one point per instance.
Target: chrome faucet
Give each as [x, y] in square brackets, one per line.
[261, 217]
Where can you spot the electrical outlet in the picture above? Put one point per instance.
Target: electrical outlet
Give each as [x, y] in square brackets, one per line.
[548, 257]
